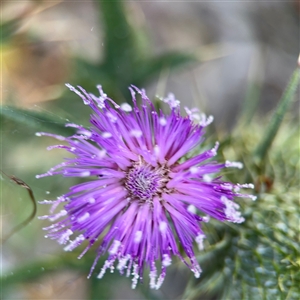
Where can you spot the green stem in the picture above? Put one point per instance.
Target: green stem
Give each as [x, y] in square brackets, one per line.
[276, 120]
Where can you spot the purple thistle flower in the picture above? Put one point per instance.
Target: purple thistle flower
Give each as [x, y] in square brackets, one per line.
[141, 191]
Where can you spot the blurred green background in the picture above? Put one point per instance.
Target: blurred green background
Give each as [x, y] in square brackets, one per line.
[231, 59]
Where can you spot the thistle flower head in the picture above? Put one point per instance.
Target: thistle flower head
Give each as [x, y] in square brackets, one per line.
[140, 193]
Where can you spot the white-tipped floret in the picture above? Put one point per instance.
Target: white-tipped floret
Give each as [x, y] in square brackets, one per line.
[214, 150]
[54, 217]
[111, 117]
[65, 237]
[207, 178]
[162, 226]
[231, 211]
[136, 133]
[106, 135]
[171, 100]
[233, 164]
[162, 121]
[197, 271]
[73, 244]
[114, 247]
[160, 280]
[156, 150]
[122, 262]
[106, 265]
[83, 217]
[192, 209]
[166, 260]
[136, 275]
[194, 170]
[138, 236]
[126, 107]
[199, 240]
[153, 275]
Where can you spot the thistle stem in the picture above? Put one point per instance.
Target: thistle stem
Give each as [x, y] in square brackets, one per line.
[284, 104]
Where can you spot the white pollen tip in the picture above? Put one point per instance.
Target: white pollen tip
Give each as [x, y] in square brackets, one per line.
[126, 107]
[38, 134]
[162, 226]
[111, 117]
[138, 236]
[231, 211]
[192, 209]
[84, 217]
[196, 117]
[193, 170]
[172, 101]
[215, 149]
[85, 174]
[197, 274]
[166, 260]
[64, 238]
[207, 178]
[91, 200]
[199, 240]
[209, 120]
[106, 135]
[206, 219]
[246, 186]
[197, 271]
[162, 121]
[114, 247]
[86, 133]
[136, 133]
[156, 150]
[73, 244]
[101, 153]
[233, 164]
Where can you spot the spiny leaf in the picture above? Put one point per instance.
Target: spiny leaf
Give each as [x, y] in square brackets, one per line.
[261, 259]
[119, 42]
[125, 61]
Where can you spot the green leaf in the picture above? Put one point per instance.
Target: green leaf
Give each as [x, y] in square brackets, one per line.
[119, 42]
[127, 58]
[35, 119]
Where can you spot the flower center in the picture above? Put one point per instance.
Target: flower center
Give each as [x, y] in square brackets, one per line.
[143, 182]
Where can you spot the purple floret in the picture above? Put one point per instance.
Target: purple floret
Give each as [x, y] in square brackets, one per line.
[140, 193]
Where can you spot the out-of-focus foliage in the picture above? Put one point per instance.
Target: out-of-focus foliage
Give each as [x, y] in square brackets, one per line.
[128, 57]
[7, 30]
[35, 119]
